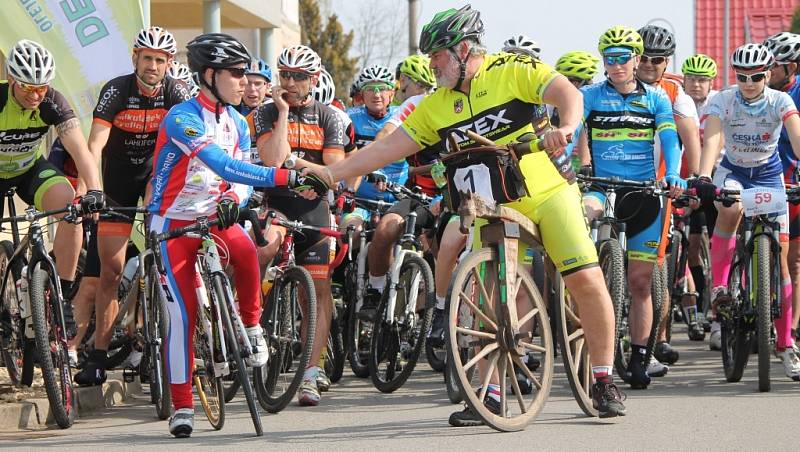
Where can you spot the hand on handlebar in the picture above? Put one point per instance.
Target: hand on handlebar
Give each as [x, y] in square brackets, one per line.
[227, 213]
[706, 190]
[676, 184]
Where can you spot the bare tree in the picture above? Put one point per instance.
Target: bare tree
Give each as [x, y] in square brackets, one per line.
[381, 32]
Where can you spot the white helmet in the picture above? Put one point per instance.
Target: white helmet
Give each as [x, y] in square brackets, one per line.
[179, 71]
[524, 44]
[155, 38]
[29, 62]
[325, 90]
[752, 56]
[300, 58]
[193, 88]
[785, 46]
[374, 73]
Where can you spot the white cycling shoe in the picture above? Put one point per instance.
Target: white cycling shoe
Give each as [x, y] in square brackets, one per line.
[256, 336]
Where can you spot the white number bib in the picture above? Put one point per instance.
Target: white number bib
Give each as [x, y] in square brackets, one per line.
[763, 201]
[475, 179]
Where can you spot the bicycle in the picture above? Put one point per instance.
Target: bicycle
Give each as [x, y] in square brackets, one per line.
[230, 345]
[34, 310]
[610, 235]
[754, 281]
[288, 327]
[399, 333]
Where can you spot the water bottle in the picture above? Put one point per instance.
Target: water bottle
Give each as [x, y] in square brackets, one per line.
[563, 164]
[438, 173]
[127, 274]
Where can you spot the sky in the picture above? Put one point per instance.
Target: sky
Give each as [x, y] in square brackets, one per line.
[558, 26]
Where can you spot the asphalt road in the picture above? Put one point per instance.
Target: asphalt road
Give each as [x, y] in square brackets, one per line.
[692, 408]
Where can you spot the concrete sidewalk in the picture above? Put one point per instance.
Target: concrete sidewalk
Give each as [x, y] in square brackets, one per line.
[35, 413]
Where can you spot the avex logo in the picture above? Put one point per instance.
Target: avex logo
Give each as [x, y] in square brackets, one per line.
[483, 125]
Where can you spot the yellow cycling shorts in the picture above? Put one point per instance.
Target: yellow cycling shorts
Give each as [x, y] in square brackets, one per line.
[562, 226]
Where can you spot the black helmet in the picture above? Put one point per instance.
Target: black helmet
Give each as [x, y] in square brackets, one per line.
[657, 40]
[450, 27]
[217, 51]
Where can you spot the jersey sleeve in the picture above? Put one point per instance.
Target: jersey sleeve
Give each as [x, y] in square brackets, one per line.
[684, 106]
[530, 78]
[333, 128]
[418, 124]
[786, 106]
[262, 121]
[667, 132]
[178, 93]
[187, 132]
[109, 103]
[402, 112]
[55, 109]
[241, 192]
[716, 105]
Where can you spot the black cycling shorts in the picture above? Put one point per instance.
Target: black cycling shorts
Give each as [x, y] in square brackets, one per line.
[123, 185]
[34, 183]
[425, 218]
[705, 215]
[311, 250]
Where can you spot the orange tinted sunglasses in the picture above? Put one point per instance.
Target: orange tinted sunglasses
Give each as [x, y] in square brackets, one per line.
[29, 89]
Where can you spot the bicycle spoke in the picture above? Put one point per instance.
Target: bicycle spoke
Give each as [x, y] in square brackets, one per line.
[479, 282]
[469, 332]
[488, 377]
[572, 318]
[527, 372]
[489, 322]
[503, 388]
[533, 347]
[578, 355]
[575, 334]
[485, 351]
[515, 384]
[524, 319]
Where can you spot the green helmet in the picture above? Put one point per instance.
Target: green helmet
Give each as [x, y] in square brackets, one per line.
[450, 27]
[417, 68]
[621, 36]
[578, 64]
[702, 65]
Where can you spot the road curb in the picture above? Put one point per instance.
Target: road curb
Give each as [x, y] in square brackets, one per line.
[35, 413]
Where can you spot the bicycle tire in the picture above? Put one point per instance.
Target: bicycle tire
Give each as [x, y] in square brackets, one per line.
[223, 294]
[334, 358]
[450, 383]
[51, 346]
[278, 323]
[359, 337]
[705, 258]
[574, 351]
[673, 260]
[435, 357]
[612, 263]
[763, 260]
[499, 358]
[231, 386]
[413, 333]
[12, 326]
[658, 294]
[158, 318]
[207, 384]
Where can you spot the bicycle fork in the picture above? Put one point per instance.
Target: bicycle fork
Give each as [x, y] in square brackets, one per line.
[400, 251]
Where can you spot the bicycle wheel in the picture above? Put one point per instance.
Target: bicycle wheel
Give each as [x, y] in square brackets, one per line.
[359, 335]
[761, 287]
[397, 345]
[231, 385]
[612, 263]
[290, 333]
[574, 351]
[223, 299]
[158, 322]
[334, 353]
[12, 326]
[658, 295]
[499, 343]
[435, 357]
[206, 381]
[704, 305]
[51, 346]
[735, 335]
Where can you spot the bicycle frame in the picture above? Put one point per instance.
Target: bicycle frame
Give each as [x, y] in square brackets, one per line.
[753, 227]
[408, 243]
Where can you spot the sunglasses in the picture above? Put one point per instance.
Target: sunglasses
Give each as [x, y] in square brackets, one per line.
[754, 78]
[30, 89]
[656, 60]
[611, 60]
[296, 76]
[377, 88]
[236, 72]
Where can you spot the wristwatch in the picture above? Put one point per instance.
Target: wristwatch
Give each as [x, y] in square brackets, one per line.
[290, 161]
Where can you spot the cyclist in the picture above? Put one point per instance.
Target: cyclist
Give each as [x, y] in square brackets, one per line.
[259, 82]
[126, 119]
[325, 93]
[659, 47]
[484, 85]
[356, 100]
[415, 78]
[522, 44]
[376, 86]
[28, 107]
[614, 111]
[749, 117]
[699, 72]
[293, 131]
[201, 168]
[783, 77]
[579, 68]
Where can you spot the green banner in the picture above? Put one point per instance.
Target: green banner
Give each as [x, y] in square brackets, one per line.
[91, 41]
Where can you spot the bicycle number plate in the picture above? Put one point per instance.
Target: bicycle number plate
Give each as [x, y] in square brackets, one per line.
[475, 179]
[763, 201]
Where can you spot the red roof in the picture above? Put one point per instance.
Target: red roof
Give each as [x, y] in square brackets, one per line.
[750, 21]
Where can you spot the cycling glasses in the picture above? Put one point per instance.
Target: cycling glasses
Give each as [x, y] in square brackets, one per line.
[611, 60]
[377, 88]
[237, 72]
[755, 78]
[30, 89]
[296, 76]
[656, 60]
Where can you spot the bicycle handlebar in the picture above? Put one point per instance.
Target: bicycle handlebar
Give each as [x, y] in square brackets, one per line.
[204, 225]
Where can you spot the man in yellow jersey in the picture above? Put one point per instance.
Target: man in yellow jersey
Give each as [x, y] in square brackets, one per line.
[493, 95]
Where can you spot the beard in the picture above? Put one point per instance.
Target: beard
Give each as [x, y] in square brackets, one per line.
[448, 76]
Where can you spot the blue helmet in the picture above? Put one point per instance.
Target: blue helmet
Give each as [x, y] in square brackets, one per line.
[260, 67]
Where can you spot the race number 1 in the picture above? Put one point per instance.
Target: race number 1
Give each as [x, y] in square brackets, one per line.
[475, 179]
[763, 201]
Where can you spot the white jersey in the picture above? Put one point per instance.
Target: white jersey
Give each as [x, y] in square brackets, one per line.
[751, 131]
[405, 109]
